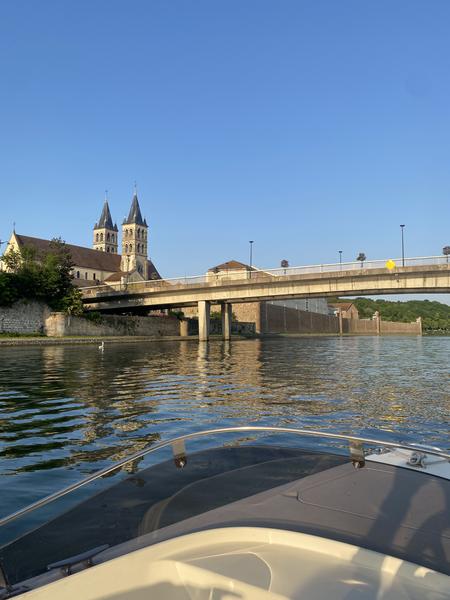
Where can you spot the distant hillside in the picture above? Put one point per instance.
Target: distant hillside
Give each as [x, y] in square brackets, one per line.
[435, 315]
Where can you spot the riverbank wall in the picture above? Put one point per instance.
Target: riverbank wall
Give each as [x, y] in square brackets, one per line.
[282, 319]
[373, 327]
[61, 325]
[28, 318]
[24, 317]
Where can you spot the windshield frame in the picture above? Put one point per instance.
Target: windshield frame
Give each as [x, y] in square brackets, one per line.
[355, 442]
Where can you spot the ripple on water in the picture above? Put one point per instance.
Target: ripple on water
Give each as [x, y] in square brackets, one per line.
[65, 411]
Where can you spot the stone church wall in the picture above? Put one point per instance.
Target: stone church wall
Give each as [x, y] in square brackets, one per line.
[24, 317]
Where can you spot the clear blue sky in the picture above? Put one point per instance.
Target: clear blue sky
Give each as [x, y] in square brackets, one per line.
[309, 127]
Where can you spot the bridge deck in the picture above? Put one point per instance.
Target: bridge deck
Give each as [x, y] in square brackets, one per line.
[252, 286]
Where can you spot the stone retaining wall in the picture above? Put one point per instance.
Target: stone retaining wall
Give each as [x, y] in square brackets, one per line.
[23, 317]
[59, 325]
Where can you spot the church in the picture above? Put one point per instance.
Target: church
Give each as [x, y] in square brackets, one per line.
[102, 263]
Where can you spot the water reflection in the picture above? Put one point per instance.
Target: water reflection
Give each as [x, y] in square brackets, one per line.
[66, 410]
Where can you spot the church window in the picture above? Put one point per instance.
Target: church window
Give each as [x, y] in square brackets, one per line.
[139, 233]
[107, 248]
[131, 247]
[112, 238]
[101, 237]
[126, 248]
[96, 237]
[139, 268]
[85, 275]
[108, 236]
[78, 274]
[95, 277]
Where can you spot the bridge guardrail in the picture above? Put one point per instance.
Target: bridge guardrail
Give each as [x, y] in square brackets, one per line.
[232, 276]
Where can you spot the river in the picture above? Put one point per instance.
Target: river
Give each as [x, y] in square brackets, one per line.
[66, 411]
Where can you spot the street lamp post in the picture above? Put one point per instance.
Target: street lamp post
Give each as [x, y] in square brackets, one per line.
[340, 259]
[251, 256]
[403, 246]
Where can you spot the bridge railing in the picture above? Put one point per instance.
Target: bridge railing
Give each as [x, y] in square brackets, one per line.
[234, 276]
[357, 265]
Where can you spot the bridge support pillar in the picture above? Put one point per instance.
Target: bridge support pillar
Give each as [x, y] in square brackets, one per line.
[226, 310]
[204, 308]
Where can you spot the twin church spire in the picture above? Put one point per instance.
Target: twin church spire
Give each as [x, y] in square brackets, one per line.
[134, 238]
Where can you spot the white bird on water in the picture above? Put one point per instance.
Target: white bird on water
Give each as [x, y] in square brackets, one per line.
[102, 346]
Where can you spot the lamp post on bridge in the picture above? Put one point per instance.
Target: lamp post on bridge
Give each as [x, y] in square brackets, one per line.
[403, 246]
[251, 256]
[251, 251]
[340, 260]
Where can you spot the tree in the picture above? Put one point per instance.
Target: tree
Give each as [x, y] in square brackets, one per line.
[446, 251]
[361, 257]
[45, 276]
[284, 265]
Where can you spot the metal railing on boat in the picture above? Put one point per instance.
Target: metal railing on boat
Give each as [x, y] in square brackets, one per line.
[355, 445]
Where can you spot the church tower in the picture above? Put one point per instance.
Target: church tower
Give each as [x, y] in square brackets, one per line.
[134, 241]
[105, 233]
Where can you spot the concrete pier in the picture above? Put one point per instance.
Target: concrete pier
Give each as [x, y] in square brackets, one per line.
[226, 310]
[204, 309]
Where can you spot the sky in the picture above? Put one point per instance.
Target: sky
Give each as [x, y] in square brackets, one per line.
[308, 127]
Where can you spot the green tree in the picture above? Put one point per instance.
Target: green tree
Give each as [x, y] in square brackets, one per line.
[45, 276]
[361, 257]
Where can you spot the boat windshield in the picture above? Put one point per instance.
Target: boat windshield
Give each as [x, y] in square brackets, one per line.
[176, 487]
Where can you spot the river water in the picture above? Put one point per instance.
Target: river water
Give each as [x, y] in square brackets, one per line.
[66, 411]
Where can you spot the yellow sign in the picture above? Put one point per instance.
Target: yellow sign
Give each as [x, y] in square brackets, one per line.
[390, 264]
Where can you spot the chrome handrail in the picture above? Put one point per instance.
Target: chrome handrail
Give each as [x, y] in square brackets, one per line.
[175, 441]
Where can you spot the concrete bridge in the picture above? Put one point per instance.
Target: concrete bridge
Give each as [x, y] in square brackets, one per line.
[417, 275]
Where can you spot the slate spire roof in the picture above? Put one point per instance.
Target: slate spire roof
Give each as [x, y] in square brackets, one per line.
[135, 215]
[105, 219]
